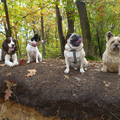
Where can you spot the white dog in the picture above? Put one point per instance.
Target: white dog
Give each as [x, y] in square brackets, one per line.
[111, 56]
[32, 49]
[74, 53]
[7, 52]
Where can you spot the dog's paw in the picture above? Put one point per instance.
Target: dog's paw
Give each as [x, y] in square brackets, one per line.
[11, 64]
[81, 70]
[103, 70]
[85, 68]
[40, 60]
[37, 61]
[16, 63]
[28, 61]
[66, 71]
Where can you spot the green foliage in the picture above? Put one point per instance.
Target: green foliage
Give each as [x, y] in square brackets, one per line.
[52, 50]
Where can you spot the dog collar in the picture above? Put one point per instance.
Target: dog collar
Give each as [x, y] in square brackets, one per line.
[74, 50]
[32, 44]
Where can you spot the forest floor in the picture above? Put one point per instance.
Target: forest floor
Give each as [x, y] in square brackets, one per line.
[46, 88]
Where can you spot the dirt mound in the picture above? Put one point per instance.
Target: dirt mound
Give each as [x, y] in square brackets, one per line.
[54, 93]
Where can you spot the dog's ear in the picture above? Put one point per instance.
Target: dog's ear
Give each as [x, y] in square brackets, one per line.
[67, 37]
[15, 48]
[5, 45]
[36, 36]
[15, 41]
[109, 35]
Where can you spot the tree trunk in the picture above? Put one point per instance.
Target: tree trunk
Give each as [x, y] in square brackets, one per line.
[60, 30]
[98, 40]
[70, 19]
[42, 29]
[17, 41]
[8, 28]
[85, 28]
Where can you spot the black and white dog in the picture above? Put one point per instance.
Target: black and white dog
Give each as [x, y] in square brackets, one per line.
[7, 52]
[74, 53]
[32, 49]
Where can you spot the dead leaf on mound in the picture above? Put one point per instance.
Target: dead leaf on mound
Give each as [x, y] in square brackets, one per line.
[44, 62]
[8, 94]
[78, 79]
[32, 72]
[107, 84]
[2, 65]
[66, 77]
[8, 74]
[8, 91]
[23, 62]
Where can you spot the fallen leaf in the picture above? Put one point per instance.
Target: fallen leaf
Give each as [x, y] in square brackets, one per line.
[13, 82]
[78, 79]
[104, 82]
[8, 74]
[93, 65]
[90, 61]
[2, 65]
[22, 62]
[107, 85]
[28, 75]
[66, 77]
[51, 65]
[32, 72]
[44, 62]
[8, 94]
[8, 84]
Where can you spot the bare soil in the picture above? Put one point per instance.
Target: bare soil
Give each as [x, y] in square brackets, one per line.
[74, 95]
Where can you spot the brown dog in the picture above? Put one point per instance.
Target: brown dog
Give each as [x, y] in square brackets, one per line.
[7, 52]
[111, 56]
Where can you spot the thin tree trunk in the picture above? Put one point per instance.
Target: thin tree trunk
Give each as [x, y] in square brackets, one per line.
[8, 28]
[85, 28]
[17, 42]
[70, 15]
[42, 29]
[60, 30]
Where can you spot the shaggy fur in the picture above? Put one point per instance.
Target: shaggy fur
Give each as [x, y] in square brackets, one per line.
[76, 59]
[7, 52]
[32, 49]
[111, 56]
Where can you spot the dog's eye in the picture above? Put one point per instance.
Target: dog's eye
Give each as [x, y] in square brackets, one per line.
[112, 42]
[13, 40]
[9, 40]
[119, 41]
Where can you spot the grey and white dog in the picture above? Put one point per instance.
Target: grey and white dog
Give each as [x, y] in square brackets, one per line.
[74, 53]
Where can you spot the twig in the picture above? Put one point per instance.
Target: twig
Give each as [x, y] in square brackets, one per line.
[75, 83]
[116, 105]
[114, 116]
[97, 103]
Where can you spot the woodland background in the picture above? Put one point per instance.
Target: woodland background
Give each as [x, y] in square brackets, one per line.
[53, 20]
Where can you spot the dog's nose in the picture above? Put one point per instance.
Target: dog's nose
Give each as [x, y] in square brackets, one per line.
[116, 45]
[13, 45]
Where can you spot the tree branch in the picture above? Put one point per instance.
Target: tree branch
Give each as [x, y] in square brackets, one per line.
[3, 33]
